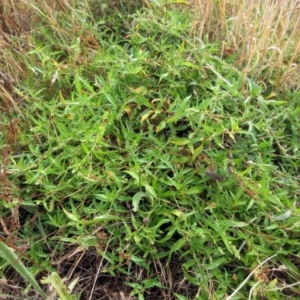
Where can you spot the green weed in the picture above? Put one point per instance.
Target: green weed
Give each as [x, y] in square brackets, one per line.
[147, 165]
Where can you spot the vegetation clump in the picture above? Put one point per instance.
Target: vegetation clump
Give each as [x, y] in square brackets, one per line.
[143, 156]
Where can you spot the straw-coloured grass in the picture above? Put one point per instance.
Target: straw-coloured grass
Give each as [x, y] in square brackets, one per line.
[262, 34]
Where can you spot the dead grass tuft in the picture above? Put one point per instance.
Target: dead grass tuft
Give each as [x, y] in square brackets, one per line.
[263, 34]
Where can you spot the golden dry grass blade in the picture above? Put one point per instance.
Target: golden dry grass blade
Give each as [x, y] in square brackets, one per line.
[264, 34]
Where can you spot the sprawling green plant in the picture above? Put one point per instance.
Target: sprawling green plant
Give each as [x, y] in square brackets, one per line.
[149, 161]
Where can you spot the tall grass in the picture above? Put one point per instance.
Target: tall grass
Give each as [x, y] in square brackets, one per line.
[263, 35]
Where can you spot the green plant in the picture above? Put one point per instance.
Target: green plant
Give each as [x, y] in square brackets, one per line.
[150, 162]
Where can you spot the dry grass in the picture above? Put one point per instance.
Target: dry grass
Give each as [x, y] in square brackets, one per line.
[14, 28]
[264, 34]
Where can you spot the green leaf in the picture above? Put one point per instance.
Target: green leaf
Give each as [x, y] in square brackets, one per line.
[181, 159]
[194, 190]
[160, 126]
[180, 141]
[197, 151]
[175, 117]
[136, 200]
[9, 255]
[150, 191]
[283, 216]
[59, 286]
[290, 265]
[231, 223]
[276, 102]
[215, 264]
[70, 216]
[98, 219]
[133, 175]
[178, 245]
[180, 297]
